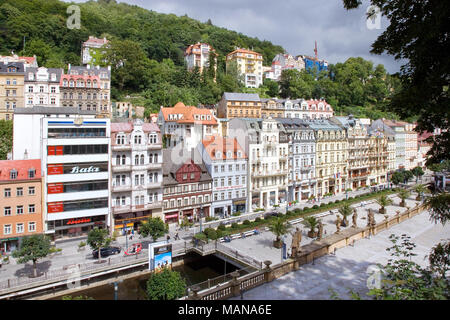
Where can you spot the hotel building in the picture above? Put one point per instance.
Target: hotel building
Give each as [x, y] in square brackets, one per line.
[249, 66]
[239, 105]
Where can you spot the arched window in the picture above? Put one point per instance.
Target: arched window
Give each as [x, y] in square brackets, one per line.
[124, 159]
[117, 159]
[137, 139]
[142, 159]
[136, 159]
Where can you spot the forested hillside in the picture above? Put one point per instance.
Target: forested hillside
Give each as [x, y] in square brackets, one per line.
[146, 53]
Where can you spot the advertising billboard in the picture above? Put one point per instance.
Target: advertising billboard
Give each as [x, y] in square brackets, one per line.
[160, 255]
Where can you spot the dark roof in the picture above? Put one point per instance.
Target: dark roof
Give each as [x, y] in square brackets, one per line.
[19, 65]
[53, 110]
[235, 96]
[170, 167]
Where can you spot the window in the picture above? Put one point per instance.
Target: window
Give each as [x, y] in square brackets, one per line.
[19, 210]
[7, 229]
[13, 174]
[7, 211]
[31, 226]
[31, 208]
[7, 193]
[19, 228]
[19, 192]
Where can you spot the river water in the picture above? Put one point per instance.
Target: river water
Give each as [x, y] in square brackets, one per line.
[197, 270]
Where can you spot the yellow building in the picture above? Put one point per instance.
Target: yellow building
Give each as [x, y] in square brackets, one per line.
[272, 107]
[249, 65]
[239, 105]
[11, 88]
[331, 157]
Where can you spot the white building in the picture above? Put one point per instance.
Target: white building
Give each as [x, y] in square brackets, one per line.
[302, 144]
[42, 87]
[267, 160]
[198, 55]
[184, 127]
[136, 179]
[226, 162]
[74, 148]
[91, 46]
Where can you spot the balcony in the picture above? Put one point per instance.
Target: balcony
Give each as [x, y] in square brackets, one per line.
[121, 168]
[147, 166]
[121, 147]
[121, 188]
[145, 147]
[139, 207]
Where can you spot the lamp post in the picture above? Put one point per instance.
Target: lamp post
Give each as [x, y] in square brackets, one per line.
[201, 216]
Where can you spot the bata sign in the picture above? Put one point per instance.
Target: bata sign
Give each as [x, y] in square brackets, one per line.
[90, 169]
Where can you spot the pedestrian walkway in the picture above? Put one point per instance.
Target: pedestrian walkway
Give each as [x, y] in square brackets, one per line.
[351, 267]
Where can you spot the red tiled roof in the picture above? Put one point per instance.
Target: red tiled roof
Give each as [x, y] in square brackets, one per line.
[217, 143]
[316, 102]
[128, 127]
[244, 51]
[95, 40]
[188, 113]
[22, 167]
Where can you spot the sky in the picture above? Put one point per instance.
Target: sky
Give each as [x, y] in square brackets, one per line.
[293, 24]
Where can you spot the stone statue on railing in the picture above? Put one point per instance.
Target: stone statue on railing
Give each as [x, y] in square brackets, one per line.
[319, 230]
[354, 218]
[338, 224]
[296, 240]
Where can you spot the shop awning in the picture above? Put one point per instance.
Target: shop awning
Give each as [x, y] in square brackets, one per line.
[119, 226]
[169, 216]
[239, 202]
[8, 239]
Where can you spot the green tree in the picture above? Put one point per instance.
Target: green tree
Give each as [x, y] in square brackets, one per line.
[417, 172]
[6, 132]
[153, 227]
[279, 228]
[346, 211]
[165, 285]
[383, 201]
[33, 248]
[420, 189]
[97, 239]
[412, 26]
[403, 194]
[311, 222]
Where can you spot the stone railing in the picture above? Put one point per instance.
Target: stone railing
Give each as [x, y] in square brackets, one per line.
[316, 249]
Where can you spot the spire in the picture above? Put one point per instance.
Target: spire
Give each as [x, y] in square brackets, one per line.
[315, 50]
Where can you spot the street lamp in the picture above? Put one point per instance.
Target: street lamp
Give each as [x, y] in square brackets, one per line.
[201, 216]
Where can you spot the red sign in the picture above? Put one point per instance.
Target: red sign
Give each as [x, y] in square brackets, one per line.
[55, 188]
[54, 169]
[79, 221]
[53, 207]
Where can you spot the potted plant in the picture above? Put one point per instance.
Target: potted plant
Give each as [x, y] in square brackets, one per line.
[420, 189]
[5, 260]
[82, 246]
[383, 201]
[278, 228]
[346, 211]
[403, 194]
[311, 223]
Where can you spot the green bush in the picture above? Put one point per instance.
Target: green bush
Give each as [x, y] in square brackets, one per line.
[315, 206]
[258, 219]
[208, 219]
[221, 227]
[234, 225]
[322, 205]
[246, 222]
[297, 211]
[236, 214]
[337, 201]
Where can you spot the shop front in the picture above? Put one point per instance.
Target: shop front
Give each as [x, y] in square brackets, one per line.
[240, 205]
[8, 245]
[128, 223]
[76, 227]
[171, 217]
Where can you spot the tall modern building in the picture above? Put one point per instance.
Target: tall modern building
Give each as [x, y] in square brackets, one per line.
[136, 179]
[74, 148]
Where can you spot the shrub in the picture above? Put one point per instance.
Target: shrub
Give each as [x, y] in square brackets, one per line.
[208, 219]
[234, 225]
[297, 211]
[236, 214]
[82, 244]
[246, 222]
[316, 206]
[221, 227]
[322, 205]
[258, 219]
[306, 209]
[337, 201]
[351, 198]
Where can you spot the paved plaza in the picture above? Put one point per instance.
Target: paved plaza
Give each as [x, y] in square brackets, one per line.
[351, 266]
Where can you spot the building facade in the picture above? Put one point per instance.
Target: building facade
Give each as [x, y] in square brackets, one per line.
[11, 88]
[20, 202]
[74, 148]
[185, 127]
[331, 157]
[302, 153]
[267, 160]
[90, 48]
[226, 162]
[239, 105]
[249, 65]
[198, 55]
[42, 87]
[136, 179]
[187, 187]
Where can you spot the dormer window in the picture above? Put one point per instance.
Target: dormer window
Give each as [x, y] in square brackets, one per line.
[218, 154]
[13, 174]
[229, 154]
[30, 76]
[31, 173]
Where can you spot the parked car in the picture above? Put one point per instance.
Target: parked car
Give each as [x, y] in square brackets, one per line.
[106, 252]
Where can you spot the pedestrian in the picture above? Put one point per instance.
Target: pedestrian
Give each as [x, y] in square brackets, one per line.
[177, 237]
[168, 238]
